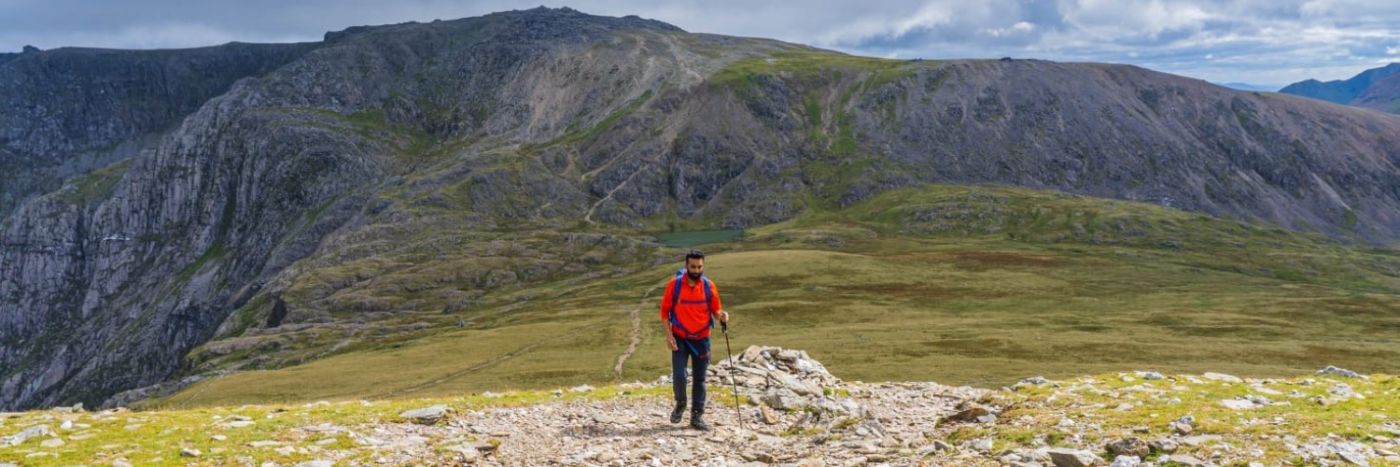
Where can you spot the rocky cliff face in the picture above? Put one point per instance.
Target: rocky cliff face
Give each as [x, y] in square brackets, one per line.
[530, 146]
[71, 110]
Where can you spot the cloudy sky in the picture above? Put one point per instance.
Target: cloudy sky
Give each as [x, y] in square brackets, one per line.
[1270, 42]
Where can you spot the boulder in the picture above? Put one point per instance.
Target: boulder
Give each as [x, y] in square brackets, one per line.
[426, 415]
[1063, 457]
[1126, 461]
[1184, 460]
[968, 412]
[1222, 377]
[1343, 372]
[25, 434]
[1134, 447]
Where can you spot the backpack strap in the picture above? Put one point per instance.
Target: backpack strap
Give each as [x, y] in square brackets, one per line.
[676, 293]
[709, 301]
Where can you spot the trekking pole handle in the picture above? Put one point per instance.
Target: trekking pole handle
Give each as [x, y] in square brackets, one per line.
[724, 327]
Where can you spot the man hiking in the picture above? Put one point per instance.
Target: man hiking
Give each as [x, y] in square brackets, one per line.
[689, 308]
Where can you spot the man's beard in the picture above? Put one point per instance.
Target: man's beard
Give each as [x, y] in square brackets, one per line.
[695, 276]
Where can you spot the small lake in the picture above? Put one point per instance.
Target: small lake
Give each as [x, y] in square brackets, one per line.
[699, 237]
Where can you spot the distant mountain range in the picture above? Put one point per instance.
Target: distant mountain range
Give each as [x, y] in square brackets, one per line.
[1376, 88]
[1251, 87]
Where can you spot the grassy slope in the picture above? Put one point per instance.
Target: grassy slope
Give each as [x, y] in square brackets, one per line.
[979, 285]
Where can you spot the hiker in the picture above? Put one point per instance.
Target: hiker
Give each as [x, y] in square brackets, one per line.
[689, 307]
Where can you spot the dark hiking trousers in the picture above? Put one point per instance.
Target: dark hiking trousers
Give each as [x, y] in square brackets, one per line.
[698, 352]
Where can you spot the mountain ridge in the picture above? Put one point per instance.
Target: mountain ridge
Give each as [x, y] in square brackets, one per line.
[1357, 90]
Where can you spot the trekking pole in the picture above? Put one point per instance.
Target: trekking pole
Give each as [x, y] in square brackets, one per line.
[724, 328]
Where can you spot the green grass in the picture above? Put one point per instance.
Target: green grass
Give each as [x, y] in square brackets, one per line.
[827, 82]
[412, 146]
[576, 136]
[93, 186]
[529, 356]
[439, 271]
[803, 64]
[216, 252]
[955, 284]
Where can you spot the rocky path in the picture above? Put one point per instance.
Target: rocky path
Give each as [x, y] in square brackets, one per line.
[798, 414]
[636, 432]
[634, 336]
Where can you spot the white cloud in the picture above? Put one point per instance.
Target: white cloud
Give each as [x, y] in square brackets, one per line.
[1270, 41]
[1020, 28]
[1119, 19]
[1348, 10]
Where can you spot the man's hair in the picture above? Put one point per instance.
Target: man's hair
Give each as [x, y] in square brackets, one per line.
[694, 254]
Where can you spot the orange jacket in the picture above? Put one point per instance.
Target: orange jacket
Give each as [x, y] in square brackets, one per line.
[691, 309]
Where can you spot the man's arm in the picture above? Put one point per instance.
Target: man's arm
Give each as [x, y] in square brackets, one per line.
[715, 304]
[665, 320]
[666, 299]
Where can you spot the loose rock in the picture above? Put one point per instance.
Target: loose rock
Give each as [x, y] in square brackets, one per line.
[1063, 457]
[426, 415]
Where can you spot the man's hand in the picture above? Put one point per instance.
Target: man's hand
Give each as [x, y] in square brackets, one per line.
[670, 338]
[723, 316]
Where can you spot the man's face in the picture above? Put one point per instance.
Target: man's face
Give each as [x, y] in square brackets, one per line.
[694, 267]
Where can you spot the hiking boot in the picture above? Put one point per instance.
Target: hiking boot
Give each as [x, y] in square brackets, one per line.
[698, 423]
[678, 413]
